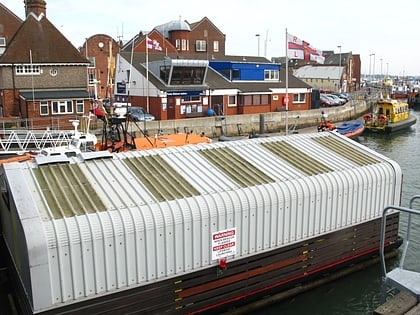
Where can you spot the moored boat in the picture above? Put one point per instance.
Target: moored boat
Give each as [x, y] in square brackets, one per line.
[389, 116]
[349, 129]
[193, 228]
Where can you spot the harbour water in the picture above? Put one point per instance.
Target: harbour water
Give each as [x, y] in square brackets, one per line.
[361, 292]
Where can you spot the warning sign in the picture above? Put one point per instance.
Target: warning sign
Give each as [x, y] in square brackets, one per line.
[223, 243]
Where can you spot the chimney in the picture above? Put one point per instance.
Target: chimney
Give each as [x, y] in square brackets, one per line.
[35, 6]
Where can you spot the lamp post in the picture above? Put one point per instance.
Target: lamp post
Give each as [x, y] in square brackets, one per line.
[370, 67]
[339, 68]
[373, 70]
[258, 36]
[381, 70]
[387, 65]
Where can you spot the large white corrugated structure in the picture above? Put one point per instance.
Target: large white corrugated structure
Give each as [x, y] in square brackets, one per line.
[91, 227]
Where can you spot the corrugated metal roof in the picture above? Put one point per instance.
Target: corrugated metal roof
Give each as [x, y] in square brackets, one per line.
[68, 191]
[319, 72]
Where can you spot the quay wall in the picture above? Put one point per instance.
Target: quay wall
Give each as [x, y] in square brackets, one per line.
[274, 122]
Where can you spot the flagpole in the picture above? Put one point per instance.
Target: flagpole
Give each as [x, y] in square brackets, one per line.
[131, 66]
[147, 74]
[287, 86]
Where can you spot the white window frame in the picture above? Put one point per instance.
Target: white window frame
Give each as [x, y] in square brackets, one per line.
[28, 69]
[59, 107]
[92, 63]
[92, 78]
[200, 45]
[80, 106]
[43, 105]
[232, 104]
[271, 75]
[299, 98]
[2, 41]
[216, 46]
[184, 45]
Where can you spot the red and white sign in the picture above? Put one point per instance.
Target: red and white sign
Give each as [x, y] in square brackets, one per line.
[223, 243]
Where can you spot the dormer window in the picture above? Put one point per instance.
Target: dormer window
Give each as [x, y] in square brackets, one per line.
[271, 75]
[28, 69]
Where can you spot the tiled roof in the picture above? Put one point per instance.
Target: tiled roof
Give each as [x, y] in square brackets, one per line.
[54, 94]
[41, 39]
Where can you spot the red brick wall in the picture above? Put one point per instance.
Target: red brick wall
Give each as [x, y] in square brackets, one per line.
[98, 46]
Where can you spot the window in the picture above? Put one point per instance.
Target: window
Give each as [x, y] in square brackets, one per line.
[200, 45]
[2, 41]
[62, 107]
[184, 45]
[92, 78]
[80, 107]
[271, 74]
[232, 100]
[236, 74]
[216, 46]
[256, 99]
[177, 44]
[299, 98]
[28, 69]
[92, 61]
[187, 75]
[164, 73]
[43, 108]
[190, 98]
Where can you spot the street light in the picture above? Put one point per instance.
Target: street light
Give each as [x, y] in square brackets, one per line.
[370, 74]
[381, 70]
[258, 35]
[339, 68]
[387, 65]
[373, 70]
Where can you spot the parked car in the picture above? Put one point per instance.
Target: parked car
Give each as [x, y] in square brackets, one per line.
[337, 100]
[343, 95]
[139, 114]
[325, 100]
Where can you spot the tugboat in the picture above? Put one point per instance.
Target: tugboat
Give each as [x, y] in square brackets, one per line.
[389, 116]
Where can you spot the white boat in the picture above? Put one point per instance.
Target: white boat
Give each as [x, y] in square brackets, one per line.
[80, 142]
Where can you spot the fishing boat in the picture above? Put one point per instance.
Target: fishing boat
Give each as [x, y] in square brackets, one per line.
[399, 92]
[389, 116]
[349, 129]
[193, 229]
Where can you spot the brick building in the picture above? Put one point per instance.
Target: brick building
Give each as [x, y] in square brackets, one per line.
[9, 24]
[43, 76]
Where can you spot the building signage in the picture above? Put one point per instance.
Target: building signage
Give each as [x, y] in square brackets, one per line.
[184, 93]
[121, 88]
[223, 243]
